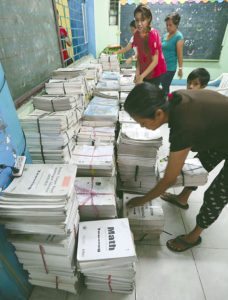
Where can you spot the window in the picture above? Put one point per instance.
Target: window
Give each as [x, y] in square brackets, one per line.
[114, 12]
[84, 19]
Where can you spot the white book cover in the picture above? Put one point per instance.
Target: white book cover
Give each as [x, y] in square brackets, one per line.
[107, 239]
[42, 180]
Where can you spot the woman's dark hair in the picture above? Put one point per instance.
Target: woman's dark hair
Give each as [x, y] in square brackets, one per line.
[145, 99]
[201, 74]
[174, 17]
[132, 24]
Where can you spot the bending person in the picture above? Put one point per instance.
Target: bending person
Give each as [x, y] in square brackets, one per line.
[198, 121]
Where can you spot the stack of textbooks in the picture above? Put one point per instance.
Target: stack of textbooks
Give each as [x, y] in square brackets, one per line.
[106, 255]
[96, 197]
[101, 112]
[40, 210]
[50, 136]
[74, 86]
[127, 82]
[96, 161]
[58, 103]
[192, 174]
[68, 73]
[108, 85]
[107, 94]
[147, 221]
[107, 75]
[123, 97]
[124, 117]
[136, 151]
[96, 136]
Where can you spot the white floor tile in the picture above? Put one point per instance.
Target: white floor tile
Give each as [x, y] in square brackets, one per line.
[162, 275]
[212, 265]
[42, 293]
[96, 295]
[213, 237]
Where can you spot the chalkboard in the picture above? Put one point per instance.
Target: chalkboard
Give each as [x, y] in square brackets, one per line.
[29, 49]
[203, 26]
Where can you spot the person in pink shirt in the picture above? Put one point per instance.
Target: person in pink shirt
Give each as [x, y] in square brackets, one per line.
[150, 60]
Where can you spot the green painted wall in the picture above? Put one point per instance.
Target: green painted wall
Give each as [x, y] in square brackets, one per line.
[105, 34]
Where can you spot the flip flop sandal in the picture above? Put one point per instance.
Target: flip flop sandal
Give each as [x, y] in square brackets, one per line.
[186, 245]
[172, 199]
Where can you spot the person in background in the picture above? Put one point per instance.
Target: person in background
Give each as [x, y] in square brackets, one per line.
[198, 121]
[129, 45]
[172, 47]
[65, 41]
[150, 60]
[197, 79]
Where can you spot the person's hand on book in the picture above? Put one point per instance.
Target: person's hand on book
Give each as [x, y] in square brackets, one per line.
[137, 201]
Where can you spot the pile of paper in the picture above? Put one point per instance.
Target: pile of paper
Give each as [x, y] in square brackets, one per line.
[58, 103]
[107, 75]
[192, 174]
[123, 97]
[96, 197]
[108, 85]
[124, 117]
[50, 136]
[147, 221]
[127, 82]
[136, 151]
[107, 94]
[93, 161]
[106, 255]
[101, 112]
[96, 136]
[109, 62]
[67, 73]
[74, 86]
[40, 209]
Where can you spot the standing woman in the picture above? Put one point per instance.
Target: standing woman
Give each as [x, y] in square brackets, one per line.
[150, 59]
[172, 47]
[198, 121]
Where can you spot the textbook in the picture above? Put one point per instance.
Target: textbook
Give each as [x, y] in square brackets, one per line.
[96, 136]
[96, 197]
[192, 174]
[146, 221]
[106, 255]
[95, 161]
[58, 103]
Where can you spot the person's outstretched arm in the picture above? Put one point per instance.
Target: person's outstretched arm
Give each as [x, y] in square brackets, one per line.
[125, 49]
[149, 69]
[175, 164]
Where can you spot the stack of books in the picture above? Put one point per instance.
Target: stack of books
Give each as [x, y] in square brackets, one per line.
[43, 201]
[108, 75]
[68, 73]
[104, 61]
[192, 174]
[108, 85]
[58, 103]
[96, 136]
[96, 161]
[101, 112]
[136, 151]
[127, 82]
[123, 97]
[74, 86]
[51, 136]
[124, 117]
[114, 63]
[96, 197]
[106, 255]
[107, 94]
[147, 221]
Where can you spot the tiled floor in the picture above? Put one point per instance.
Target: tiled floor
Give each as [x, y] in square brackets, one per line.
[197, 274]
